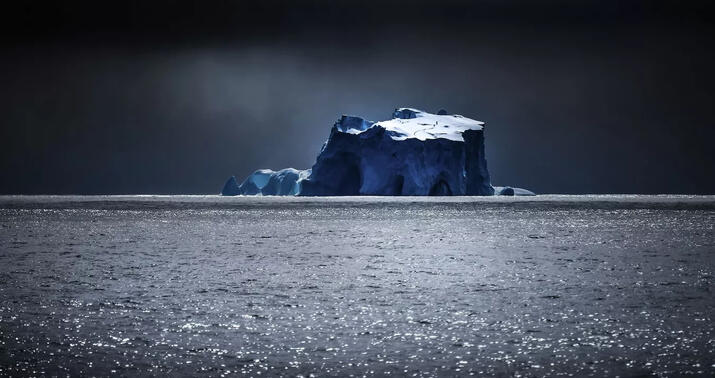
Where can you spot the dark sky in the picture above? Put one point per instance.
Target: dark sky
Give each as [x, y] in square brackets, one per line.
[175, 96]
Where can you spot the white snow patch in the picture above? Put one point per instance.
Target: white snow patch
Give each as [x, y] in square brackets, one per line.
[426, 126]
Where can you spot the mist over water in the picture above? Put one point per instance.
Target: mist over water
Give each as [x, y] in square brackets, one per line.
[602, 285]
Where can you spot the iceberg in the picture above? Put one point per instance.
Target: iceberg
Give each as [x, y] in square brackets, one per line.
[415, 153]
[510, 191]
[285, 182]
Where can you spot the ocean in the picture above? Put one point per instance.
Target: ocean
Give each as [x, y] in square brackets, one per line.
[357, 286]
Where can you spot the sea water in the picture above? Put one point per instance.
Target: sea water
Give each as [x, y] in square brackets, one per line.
[207, 285]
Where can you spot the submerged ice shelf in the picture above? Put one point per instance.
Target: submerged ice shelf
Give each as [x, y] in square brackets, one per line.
[413, 154]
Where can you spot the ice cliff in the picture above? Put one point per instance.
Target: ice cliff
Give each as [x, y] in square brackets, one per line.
[413, 154]
[285, 182]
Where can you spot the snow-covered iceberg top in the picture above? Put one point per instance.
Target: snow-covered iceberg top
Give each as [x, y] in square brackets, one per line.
[414, 123]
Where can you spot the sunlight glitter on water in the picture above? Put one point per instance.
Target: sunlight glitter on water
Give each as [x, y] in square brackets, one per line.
[357, 288]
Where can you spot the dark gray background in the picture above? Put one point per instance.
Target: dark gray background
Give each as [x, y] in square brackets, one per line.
[175, 96]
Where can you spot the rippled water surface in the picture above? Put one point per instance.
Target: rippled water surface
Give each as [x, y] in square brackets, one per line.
[549, 286]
